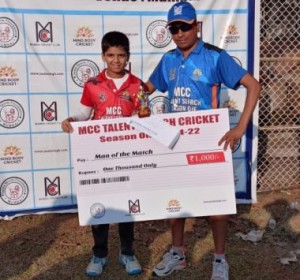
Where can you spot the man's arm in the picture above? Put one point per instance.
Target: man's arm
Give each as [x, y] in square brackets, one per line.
[253, 92]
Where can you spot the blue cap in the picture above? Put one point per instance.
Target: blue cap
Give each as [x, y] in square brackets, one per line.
[182, 11]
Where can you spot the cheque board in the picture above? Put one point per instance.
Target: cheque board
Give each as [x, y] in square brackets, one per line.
[122, 174]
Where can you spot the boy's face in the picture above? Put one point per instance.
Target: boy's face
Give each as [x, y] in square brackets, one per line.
[116, 59]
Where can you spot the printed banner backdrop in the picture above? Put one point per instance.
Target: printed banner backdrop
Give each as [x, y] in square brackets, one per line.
[48, 51]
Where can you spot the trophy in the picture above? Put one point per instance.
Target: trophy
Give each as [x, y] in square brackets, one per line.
[143, 104]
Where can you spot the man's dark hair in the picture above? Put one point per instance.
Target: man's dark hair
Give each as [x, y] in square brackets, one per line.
[115, 39]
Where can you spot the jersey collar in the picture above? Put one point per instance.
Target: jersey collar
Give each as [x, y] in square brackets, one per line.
[196, 50]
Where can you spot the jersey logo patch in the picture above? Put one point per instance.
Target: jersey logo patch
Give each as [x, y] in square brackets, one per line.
[102, 96]
[126, 95]
[172, 74]
[197, 74]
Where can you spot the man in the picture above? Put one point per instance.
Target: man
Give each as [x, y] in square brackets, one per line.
[198, 69]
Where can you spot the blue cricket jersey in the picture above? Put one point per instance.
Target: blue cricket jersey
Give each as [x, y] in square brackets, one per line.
[194, 83]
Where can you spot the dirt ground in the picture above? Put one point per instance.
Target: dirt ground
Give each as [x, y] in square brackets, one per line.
[54, 246]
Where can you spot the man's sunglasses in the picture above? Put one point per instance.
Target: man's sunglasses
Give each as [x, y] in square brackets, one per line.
[184, 27]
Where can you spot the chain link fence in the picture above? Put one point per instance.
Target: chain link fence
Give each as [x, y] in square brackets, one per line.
[279, 110]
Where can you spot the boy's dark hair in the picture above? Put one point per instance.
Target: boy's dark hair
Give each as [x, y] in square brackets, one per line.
[115, 39]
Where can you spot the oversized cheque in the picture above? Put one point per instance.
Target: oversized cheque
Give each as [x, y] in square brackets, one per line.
[121, 174]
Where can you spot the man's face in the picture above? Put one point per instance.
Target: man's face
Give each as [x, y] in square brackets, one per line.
[184, 35]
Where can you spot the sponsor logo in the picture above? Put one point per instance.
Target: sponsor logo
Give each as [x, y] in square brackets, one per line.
[49, 113]
[14, 191]
[229, 103]
[160, 105]
[83, 70]
[8, 76]
[232, 30]
[12, 150]
[173, 206]
[11, 113]
[84, 37]
[232, 35]
[44, 34]
[134, 206]
[9, 33]
[232, 106]
[11, 155]
[52, 188]
[158, 35]
[197, 75]
[97, 210]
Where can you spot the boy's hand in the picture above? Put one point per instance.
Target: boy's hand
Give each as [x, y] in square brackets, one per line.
[66, 125]
[231, 138]
[144, 112]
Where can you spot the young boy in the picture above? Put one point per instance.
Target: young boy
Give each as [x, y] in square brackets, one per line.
[114, 93]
